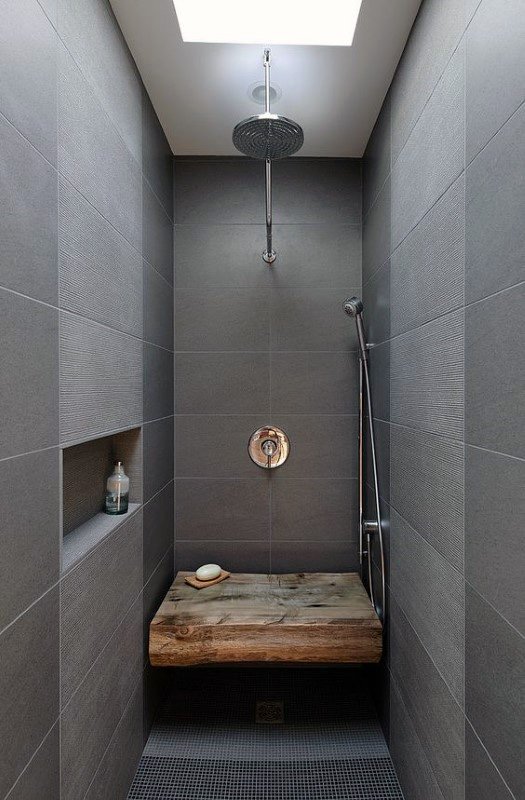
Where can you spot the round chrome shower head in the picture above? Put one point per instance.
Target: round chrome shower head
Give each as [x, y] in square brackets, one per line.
[268, 136]
[353, 306]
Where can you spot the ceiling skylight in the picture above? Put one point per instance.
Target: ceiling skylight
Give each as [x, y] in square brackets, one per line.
[307, 22]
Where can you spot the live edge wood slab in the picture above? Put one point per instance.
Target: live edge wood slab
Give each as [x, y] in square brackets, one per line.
[316, 618]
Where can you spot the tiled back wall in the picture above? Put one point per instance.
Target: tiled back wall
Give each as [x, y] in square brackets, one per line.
[258, 345]
[443, 272]
[86, 278]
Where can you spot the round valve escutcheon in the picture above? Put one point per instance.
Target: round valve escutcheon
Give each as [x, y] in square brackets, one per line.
[269, 447]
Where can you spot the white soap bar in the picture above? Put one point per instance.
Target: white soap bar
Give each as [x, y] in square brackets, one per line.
[208, 572]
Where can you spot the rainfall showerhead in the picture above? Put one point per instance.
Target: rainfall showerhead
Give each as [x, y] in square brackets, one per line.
[268, 136]
[353, 306]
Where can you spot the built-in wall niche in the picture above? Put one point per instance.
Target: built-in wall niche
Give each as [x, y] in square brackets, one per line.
[85, 469]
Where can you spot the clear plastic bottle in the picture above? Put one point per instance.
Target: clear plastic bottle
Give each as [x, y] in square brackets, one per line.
[117, 491]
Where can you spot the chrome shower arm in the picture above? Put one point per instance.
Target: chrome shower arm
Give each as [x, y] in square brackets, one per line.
[269, 254]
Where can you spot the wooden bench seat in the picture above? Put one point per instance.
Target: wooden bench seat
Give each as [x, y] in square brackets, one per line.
[315, 618]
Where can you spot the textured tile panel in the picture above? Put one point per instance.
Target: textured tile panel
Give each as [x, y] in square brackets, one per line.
[222, 509]
[482, 779]
[157, 159]
[495, 372]
[106, 63]
[427, 377]
[376, 300]
[158, 382]
[28, 217]
[159, 529]
[432, 596]
[495, 499]
[380, 371]
[495, 687]
[376, 159]
[428, 267]
[495, 69]
[434, 153]
[376, 231]
[27, 85]
[427, 488]
[28, 685]
[158, 455]
[41, 777]
[158, 309]
[91, 717]
[30, 563]
[100, 379]
[28, 358]
[152, 596]
[93, 157]
[495, 244]
[100, 273]
[94, 598]
[157, 234]
[434, 36]
[437, 719]
[87, 536]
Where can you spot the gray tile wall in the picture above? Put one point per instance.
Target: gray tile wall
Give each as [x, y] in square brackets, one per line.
[258, 345]
[443, 268]
[86, 276]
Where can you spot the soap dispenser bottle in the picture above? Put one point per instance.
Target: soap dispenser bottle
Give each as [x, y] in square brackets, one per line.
[117, 490]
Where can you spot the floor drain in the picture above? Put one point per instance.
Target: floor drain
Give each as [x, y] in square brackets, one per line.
[269, 712]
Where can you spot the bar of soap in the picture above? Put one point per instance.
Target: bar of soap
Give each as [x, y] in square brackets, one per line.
[208, 572]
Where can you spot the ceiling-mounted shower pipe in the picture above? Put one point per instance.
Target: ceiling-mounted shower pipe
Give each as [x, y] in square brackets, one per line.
[268, 136]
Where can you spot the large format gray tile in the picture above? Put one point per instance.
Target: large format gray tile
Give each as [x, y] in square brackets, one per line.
[218, 509]
[412, 766]
[494, 501]
[50, 9]
[214, 383]
[314, 510]
[433, 155]
[158, 309]
[219, 191]
[27, 85]
[29, 688]
[158, 382]
[482, 779]
[30, 561]
[382, 444]
[157, 234]
[117, 767]
[41, 777]
[92, 155]
[306, 556]
[216, 446]
[495, 372]
[157, 159]
[428, 267]
[379, 370]
[230, 255]
[495, 235]
[28, 358]
[311, 319]
[105, 61]
[100, 379]
[232, 556]
[376, 232]
[376, 301]
[100, 273]
[225, 319]
[437, 719]
[159, 529]
[320, 446]
[427, 377]
[158, 446]
[495, 69]
[495, 687]
[28, 218]
[427, 488]
[376, 159]
[431, 594]
[92, 715]
[317, 190]
[94, 598]
[314, 383]
[434, 36]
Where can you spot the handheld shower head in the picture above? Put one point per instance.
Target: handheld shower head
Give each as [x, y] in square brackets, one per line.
[353, 306]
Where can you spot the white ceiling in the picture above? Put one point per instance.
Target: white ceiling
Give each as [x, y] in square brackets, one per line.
[200, 91]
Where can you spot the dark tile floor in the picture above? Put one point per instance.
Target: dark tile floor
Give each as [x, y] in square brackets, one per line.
[207, 743]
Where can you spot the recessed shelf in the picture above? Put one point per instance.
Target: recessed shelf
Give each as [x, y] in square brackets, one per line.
[85, 469]
[84, 538]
